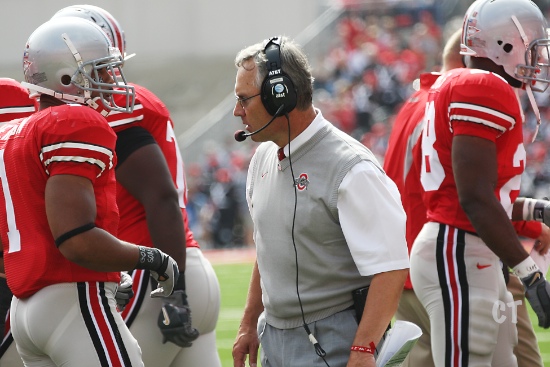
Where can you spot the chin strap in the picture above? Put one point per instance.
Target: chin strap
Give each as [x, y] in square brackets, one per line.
[535, 109]
[41, 90]
[93, 103]
[98, 106]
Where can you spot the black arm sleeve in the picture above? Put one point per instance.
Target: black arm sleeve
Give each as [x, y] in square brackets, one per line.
[130, 140]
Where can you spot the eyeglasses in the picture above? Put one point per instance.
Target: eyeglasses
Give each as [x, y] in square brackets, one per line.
[242, 100]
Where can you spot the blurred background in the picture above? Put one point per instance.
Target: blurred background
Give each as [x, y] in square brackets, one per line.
[365, 56]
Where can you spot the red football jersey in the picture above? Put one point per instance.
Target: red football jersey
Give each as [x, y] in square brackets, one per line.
[402, 156]
[61, 140]
[152, 115]
[478, 103]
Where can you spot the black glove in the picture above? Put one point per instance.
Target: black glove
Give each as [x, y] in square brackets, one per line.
[124, 291]
[175, 321]
[537, 292]
[162, 268]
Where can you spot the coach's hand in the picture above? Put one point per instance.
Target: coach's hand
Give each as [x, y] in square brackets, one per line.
[124, 291]
[175, 321]
[162, 268]
[537, 292]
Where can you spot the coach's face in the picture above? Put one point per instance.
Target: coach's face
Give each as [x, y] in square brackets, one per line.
[249, 106]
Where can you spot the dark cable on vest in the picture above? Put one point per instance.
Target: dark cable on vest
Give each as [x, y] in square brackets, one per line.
[318, 349]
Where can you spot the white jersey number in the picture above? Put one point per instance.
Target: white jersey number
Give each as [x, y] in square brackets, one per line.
[14, 238]
[180, 175]
[432, 173]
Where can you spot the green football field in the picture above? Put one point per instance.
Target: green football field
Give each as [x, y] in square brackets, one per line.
[234, 280]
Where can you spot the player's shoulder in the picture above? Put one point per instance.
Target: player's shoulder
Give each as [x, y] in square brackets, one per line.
[149, 100]
[74, 112]
[481, 78]
[70, 118]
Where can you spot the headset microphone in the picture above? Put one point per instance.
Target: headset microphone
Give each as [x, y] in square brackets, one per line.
[241, 135]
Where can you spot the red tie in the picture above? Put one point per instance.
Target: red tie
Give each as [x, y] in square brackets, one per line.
[281, 154]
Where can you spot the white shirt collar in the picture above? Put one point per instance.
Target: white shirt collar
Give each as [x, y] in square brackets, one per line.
[317, 124]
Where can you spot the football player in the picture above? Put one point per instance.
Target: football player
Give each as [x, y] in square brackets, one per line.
[151, 196]
[14, 103]
[472, 160]
[62, 260]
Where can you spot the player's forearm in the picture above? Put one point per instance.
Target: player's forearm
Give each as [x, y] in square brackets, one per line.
[98, 250]
[382, 300]
[494, 227]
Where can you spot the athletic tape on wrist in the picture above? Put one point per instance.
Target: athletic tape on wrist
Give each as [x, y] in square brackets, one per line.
[528, 208]
[149, 258]
[65, 236]
[526, 267]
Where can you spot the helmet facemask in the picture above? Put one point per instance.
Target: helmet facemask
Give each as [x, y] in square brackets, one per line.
[88, 79]
[536, 70]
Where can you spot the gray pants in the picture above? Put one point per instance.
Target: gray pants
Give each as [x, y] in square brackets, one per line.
[291, 347]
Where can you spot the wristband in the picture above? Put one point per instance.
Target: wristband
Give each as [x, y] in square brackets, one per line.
[149, 258]
[359, 348]
[525, 268]
[528, 208]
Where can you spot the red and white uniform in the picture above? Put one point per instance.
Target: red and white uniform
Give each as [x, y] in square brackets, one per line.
[54, 297]
[466, 104]
[202, 285]
[32, 151]
[14, 104]
[401, 164]
[403, 155]
[455, 275]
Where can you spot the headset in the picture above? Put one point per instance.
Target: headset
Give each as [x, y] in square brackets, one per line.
[278, 94]
[277, 88]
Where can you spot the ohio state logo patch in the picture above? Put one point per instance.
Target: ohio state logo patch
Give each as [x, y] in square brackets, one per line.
[302, 182]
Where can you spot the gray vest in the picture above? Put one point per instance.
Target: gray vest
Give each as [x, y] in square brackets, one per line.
[327, 273]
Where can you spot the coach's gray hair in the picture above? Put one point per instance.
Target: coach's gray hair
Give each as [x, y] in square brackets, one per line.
[294, 64]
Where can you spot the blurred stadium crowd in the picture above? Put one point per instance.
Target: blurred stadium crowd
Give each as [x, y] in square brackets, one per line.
[360, 84]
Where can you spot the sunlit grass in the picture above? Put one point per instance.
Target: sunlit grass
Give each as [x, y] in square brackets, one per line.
[234, 279]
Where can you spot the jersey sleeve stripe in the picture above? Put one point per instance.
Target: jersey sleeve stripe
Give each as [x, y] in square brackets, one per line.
[97, 162]
[138, 106]
[478, 121]
[477, 110]
[16, 109]
[125, 121]
[78, 153]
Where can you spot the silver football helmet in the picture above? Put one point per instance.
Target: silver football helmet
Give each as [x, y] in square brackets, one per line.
[512, 33]
[103, 19]
[67, 57]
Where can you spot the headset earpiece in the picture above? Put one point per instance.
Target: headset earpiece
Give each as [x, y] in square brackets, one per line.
[277, 88]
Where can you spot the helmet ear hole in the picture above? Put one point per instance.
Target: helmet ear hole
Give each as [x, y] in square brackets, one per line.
[66, 80]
